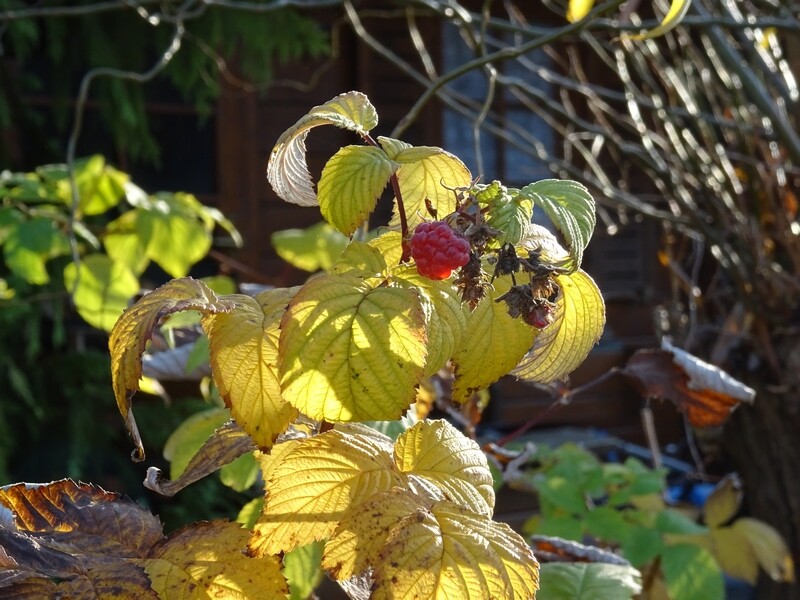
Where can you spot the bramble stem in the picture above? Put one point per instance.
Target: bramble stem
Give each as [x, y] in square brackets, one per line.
[401, 209]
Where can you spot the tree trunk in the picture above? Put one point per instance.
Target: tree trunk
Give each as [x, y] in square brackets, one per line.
[763, 441]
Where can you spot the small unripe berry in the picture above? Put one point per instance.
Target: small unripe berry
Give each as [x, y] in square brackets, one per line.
[437, 249]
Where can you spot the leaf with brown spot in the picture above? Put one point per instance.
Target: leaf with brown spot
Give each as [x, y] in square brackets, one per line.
[206, 560]
[661, 374]
[135, 327]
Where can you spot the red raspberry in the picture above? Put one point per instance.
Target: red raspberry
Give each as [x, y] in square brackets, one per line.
[438, 249]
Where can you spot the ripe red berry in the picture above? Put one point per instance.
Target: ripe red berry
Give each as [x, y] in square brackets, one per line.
[437, 249]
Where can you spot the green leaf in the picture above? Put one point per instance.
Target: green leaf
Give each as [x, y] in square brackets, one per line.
[691, 573]
[606, 523]
[102, 289]
[362, 259]
[350, 185]
[190, 436]
[248, 515]
[564, 344]
[509, 212]
[488, 326]
[641, 545]
[100, 187]
[569, 528]
[427, 172]
[241, 474]
[674, 522]
[350, 350]
[287, 170]
[561, 492]
[571, 208]
[200, 354]
[317, 247]
[588, 581]
[302, 570]
[167, 228]
[10, 219]
[30, 245]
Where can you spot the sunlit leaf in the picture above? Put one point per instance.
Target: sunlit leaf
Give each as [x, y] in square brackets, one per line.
[508, 211]
[206, 560]
[724, 502]
[249, 513]
[241, 474]
[287, 170]
[578, 9]
[438, 452]
[588, 581]
[314, 484]
[488, 326]
[350, 185]
[135, 327]
[361, 259]
[350, 351]
[769, 547]
[677, 10]
[571, 208]
[317, 247]
[449, 552]
[565, 343]
[691, 573]
[244, 355]
[426, 173]
[102, 289]
[390, 245]
[100, 186]
[445, 316]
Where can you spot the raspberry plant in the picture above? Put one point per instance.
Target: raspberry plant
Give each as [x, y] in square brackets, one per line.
[300, 367]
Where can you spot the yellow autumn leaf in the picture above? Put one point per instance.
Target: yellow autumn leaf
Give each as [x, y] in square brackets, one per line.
[769, 547]
[206, 561]
[135, 327]
[439, 453]
[489, 326]
[565, 343]
[315, 484]
[360, 258]
[677, 10]
[448, 552]
[445, 316]
[734, 553]
[350, 184]
[390, 245]
[577, 9]
[724, 501]
[425, 172]
[357, 542]
[244, 354]
[352, 350]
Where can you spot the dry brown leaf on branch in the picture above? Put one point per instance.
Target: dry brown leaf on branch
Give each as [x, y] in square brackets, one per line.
[703, 392]
[74, 540]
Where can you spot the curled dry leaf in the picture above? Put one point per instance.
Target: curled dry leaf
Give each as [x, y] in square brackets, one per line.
[703, 392]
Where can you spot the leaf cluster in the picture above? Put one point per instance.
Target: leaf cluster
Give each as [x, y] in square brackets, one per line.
[621, 506]
[356, 342]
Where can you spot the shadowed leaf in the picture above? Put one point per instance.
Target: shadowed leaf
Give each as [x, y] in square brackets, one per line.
[227, 443]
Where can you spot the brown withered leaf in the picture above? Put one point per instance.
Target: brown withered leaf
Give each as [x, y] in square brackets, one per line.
[227, 443]
[553, 549]
[703, 392]
[74, 540]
